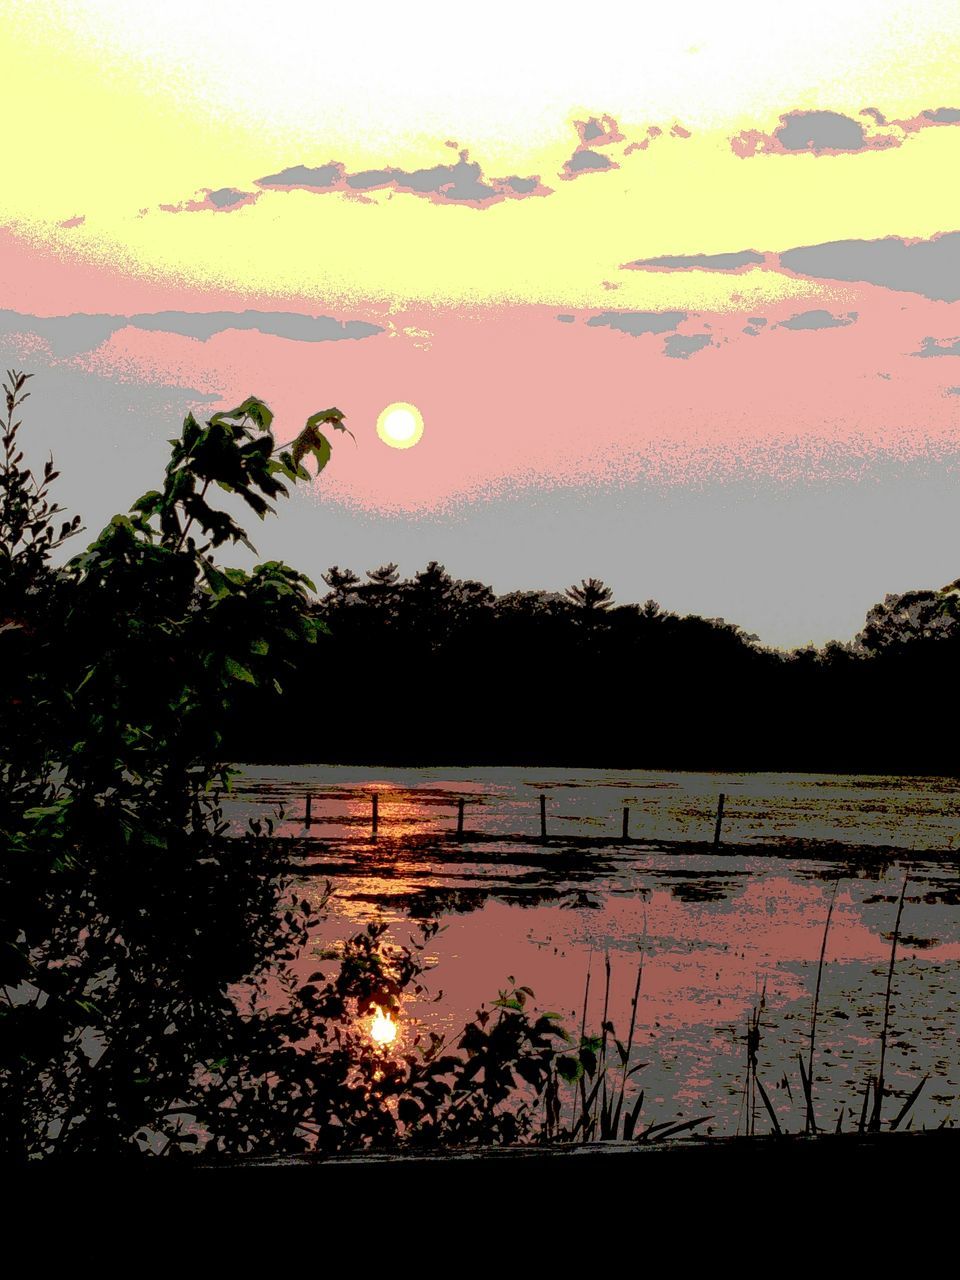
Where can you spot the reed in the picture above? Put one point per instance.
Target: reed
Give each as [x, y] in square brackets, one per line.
[810, 1122]
[879, 1083]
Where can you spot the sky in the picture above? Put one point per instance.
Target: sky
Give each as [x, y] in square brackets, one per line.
[676, 291]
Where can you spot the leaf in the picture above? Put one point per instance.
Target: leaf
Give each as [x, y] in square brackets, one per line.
[895, 1124]
[332, 417]
[239, 672]
[311, 441]
[569, 1069]
[251, 408]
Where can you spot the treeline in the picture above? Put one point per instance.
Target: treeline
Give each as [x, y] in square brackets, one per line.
[438, 670]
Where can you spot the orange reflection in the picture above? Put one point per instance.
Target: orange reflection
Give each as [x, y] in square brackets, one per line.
[383, 1029]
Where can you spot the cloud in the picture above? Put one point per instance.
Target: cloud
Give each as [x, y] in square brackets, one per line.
[943, 115]
[77, 221]
[459, 183]
[223, 200]
[817, 131]
[638, 322]
[462, 182]
[682, 346]
[818, 320]
[939, 347]
[929, 267]
[698, 262]
[301, 178]
[588, 161]
[832, 133]
[598, 131]
[69, 336]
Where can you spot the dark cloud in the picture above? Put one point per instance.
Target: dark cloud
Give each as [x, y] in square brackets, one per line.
[299, 177]
[459, 183]
[592, 161]
[523, 186]
[68, 336]
[819, 131]
[223, 200]
[681, 346]
[279, 324]
[928, 267]
[832, 133]
[818, 320]
[698, 262]
[598, 131]
[228, 197]
[754, 325]
[639, 322]
[939, 347]
[566, 319]
[953, 391]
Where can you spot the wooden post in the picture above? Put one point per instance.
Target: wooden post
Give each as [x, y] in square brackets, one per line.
[309, 816]
[716, 830]
[543, 816]
[460, 803]
[375, 822]
[626, 823]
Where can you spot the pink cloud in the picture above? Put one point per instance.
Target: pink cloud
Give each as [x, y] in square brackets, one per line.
[512, 400]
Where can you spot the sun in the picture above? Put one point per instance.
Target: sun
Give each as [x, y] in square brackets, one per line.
[400, 425]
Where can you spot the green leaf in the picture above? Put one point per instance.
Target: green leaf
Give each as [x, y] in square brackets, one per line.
[239, 672]
[311, 441]
[569, 1069]
[251, 408]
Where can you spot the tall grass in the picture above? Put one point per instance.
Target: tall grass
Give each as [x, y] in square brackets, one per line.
[806, 1077]
[600, 1070]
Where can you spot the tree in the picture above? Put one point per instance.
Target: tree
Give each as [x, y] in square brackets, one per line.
[386, 576]
[343, 584]
[148, 999]
[592, 596]
[903, 620]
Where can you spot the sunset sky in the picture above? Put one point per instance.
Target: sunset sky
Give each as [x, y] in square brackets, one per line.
[676, 289]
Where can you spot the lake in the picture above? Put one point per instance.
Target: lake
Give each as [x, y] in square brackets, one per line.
[717, 929]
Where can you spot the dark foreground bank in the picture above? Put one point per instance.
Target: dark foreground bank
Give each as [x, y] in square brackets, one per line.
[713, 1204]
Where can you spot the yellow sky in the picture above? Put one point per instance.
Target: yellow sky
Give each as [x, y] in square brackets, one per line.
[122, 106]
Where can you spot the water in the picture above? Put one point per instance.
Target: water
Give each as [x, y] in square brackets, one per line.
[718, 930]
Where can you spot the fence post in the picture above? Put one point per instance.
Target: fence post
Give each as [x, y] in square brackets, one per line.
[716, 830]
[309, 815]
[375, 817]
[543, 816]
[460, 818]
[626, 823]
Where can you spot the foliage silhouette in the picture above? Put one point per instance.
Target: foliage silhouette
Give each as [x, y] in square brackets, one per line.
[152, 994]
[538, 677]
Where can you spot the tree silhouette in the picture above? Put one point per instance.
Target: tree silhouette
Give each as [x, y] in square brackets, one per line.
[592, 596]
[342, 583]
[386, 576]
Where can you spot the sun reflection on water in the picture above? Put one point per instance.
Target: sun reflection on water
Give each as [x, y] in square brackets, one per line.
[383, 1029]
